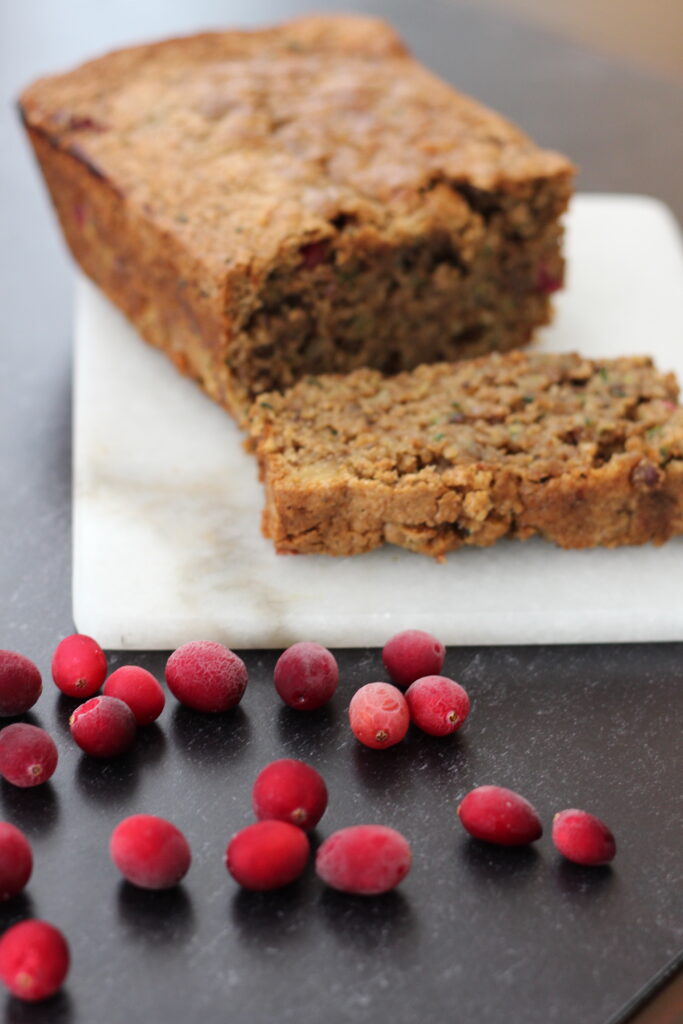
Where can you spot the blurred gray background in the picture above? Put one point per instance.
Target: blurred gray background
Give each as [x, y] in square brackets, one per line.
[649, 32]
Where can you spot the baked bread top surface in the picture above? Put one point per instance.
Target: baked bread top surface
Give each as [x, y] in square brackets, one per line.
[240, 142]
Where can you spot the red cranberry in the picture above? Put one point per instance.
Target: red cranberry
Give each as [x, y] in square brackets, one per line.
[645, 474]
[137, 688]
[364, 859]
[80, 214]
[412, 654]
[206, 676]
[20, 683]
[290, 790]
[79, 666]
[103, 726]
[547, 281]
[379, 715]
[16, 860]
[583, 838]
[437, 705]
[306, 676]
[78, 123]
[150, 852]
[34, 960]
[313, 254]
[267, 855]
[499, 815]
[28, 755]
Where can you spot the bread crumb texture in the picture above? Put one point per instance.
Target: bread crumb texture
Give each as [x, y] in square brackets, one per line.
[582, 452]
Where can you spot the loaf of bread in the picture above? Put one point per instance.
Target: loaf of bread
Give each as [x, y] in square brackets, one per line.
[580, 452]
[299, 199]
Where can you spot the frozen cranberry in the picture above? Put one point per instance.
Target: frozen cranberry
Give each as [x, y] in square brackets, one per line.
[437, 705]
[79, 666]
[206, 676]
[364, 859]
[583, 838]
[379, 715]
[291, 791]
[137, 688]
[499, 815]
[412, 654]
[20, 684]
[34, 960]
[306, 676]
[150, 852]
[267, 855]
[103, 726]
[16, 860]
[28, 755]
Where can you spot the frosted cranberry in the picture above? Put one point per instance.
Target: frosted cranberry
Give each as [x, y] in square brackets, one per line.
[499, 815]
[583, 838]
[267, 855]
[20, 683]
[16, 860]
[306, 676]
[28, 755]
[34, 960]
[79, 666]
[150, 852]
[291, 791]
[103, 726]
[412, 654]
[437, 705]
[364, 859]
[206, 676]
[379, 715]
[137, 688]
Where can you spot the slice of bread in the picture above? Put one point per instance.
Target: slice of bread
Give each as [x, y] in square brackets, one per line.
[581, 452]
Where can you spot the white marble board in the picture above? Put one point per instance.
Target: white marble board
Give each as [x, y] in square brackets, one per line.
[166, 535]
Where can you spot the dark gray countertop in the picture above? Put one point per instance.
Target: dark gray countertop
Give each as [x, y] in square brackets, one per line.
[473, 935]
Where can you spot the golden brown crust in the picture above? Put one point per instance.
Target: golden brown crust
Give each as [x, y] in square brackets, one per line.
[188, 173]
[581, 452]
